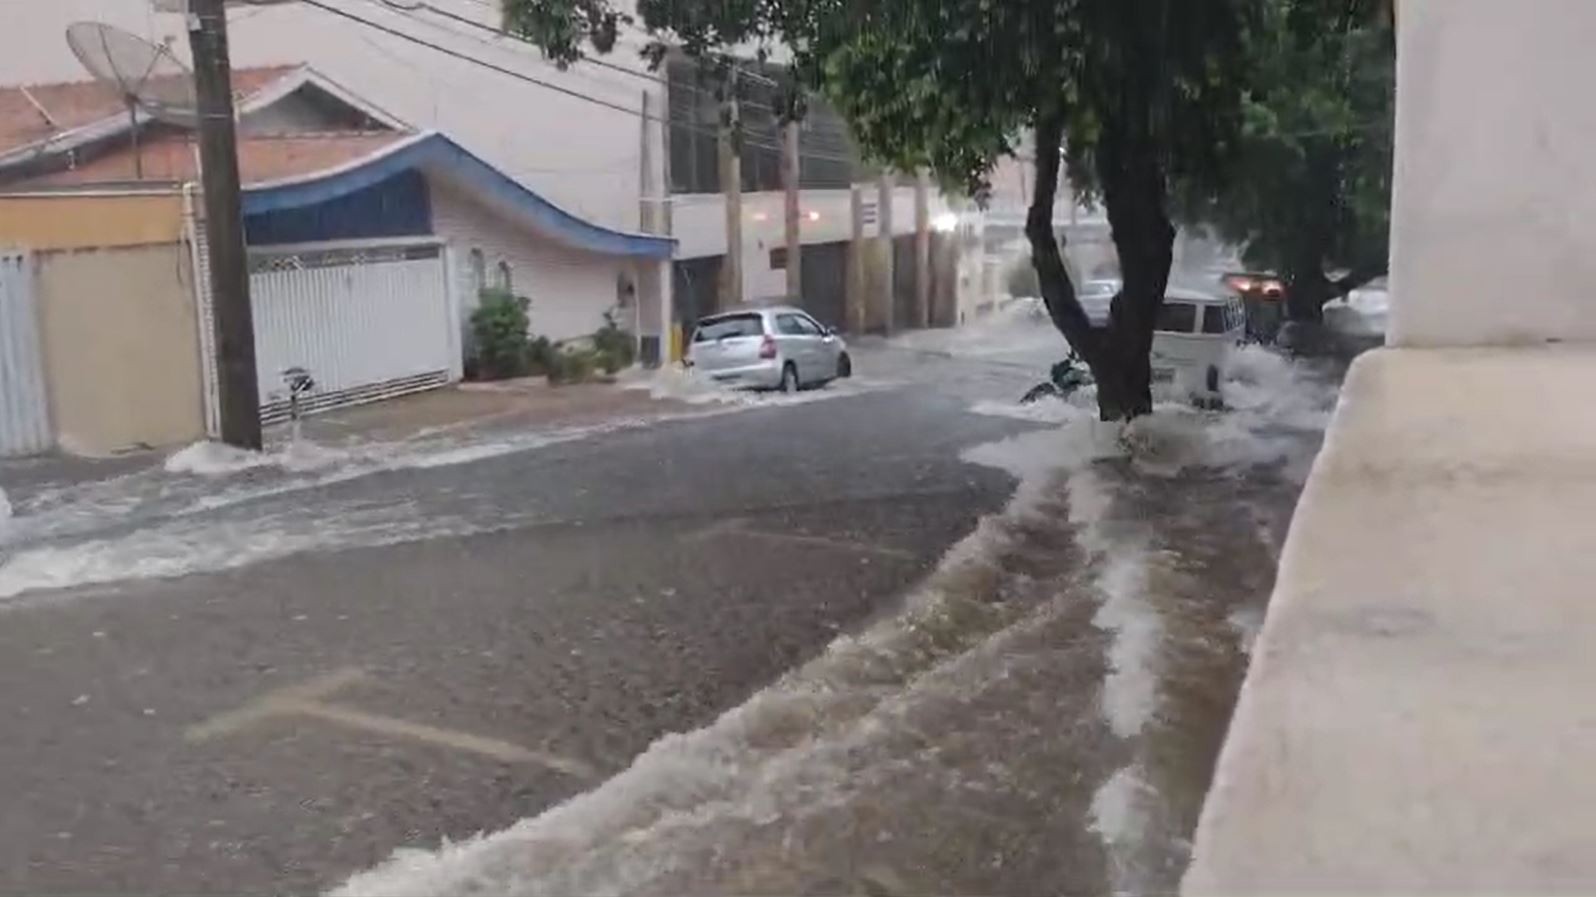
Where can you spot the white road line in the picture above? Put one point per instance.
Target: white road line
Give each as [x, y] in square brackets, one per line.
[461, 741]
[307, 699]
[274, 703]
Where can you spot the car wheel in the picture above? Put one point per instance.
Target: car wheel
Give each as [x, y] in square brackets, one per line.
[789, 379]
[844, 366]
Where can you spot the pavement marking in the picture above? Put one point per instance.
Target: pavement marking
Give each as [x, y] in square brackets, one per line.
[737, 526]
[462, 741]
[274, 703]
[309, 700]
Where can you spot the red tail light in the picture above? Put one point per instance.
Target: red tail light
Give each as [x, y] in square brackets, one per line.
[767, 349]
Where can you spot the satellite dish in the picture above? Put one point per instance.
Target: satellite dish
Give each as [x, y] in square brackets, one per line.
[147, 76]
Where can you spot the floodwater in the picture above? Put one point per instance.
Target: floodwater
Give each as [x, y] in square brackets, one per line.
[1041, 716]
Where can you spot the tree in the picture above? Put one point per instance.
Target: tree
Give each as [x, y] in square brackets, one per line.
[1313, 192]
[1147, 90]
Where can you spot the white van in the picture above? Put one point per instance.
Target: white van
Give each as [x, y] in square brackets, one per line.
[1193, 338]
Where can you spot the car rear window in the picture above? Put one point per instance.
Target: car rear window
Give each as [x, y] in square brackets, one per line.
[711, 329]
[1216, 319]
[1177, 317]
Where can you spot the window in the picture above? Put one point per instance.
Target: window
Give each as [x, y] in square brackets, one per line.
[479, 271]
[810, 326]
[504, 282]
[790, 325]
[711, 329]
[1176, 317]
[1216, 319]
[778, 259]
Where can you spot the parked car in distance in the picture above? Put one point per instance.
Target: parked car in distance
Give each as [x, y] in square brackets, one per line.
[768, 347]
[1193, 337]
[1097, 299]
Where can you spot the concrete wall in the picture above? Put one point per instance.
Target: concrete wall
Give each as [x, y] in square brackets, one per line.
[570, 290]
[1415, 716]
[42, 223]
[1494, 222]
[121, 348]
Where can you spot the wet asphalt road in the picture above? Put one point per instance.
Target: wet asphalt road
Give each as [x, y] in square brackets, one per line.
[598, 595]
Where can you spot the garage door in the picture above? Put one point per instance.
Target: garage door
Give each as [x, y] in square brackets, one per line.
[367, 323]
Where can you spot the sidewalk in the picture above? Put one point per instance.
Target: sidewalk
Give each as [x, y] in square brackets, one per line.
[463, 411]
[527, 403]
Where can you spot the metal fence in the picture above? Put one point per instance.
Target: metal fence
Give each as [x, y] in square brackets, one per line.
[24, 412]
[367, 322]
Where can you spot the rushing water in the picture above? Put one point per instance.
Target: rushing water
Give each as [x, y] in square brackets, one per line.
[1040, 717]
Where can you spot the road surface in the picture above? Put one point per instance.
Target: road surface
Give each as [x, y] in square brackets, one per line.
[268, 682]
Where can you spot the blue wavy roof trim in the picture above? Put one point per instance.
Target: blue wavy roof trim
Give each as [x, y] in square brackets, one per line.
[438, 155]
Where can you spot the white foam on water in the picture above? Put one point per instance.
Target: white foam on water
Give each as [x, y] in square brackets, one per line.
[686, 385]
[1364, 312]
[186, 545]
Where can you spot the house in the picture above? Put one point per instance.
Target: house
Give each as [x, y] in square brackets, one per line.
[609, 140]
[369, 245]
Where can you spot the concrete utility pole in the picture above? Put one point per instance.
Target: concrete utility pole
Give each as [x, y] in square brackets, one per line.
[791, 178]
[667, 220]
[858, 279]
[885, 191]
[239, 394]
[922, 249]
[731, 184]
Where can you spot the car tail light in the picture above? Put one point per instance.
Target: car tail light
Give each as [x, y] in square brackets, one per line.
[767, 349]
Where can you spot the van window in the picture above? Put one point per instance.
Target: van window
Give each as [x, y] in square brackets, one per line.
[1216, 319]
[711, 329]
[1176, 317]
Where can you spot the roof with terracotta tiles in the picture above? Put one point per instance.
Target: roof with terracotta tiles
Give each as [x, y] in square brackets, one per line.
[267, 158]
[78, 103]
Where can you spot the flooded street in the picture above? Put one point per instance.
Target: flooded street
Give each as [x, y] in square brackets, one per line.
[1042, 714]
[970, 647]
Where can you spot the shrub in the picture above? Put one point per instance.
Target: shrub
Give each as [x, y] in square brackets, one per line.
[540, 356]
[572, 366]
[615, 347]
[499, 325]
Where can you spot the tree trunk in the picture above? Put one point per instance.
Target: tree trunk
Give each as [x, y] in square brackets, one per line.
[1058, 293]
[1134, 195]
[1306, 294]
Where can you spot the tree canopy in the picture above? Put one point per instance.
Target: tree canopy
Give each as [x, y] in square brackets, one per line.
[1312, 195]
[1147, 90]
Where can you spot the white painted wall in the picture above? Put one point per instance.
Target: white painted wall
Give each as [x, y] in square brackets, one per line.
[570, 290]
[1494, 218]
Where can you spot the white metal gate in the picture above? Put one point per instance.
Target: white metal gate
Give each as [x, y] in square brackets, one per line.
[368, 321]
[24, 416]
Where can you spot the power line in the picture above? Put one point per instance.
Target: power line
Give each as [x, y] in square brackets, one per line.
[522, 76]
[590, 60]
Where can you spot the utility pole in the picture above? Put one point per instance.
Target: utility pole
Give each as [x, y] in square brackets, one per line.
[667, 221]
[239, 393]
[792, 175]
[731, 184]
[885, 190]
[858, 276]
[922, 249]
